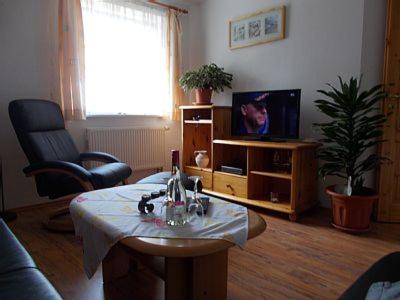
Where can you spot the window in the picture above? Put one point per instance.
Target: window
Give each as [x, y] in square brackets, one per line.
[125, 58]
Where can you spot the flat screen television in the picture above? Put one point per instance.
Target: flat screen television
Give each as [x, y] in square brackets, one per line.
[266, 114]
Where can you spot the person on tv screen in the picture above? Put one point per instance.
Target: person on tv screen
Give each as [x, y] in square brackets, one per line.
[254, 116]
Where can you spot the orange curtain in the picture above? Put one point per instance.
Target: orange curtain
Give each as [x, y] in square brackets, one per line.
[174, 63]
[71, 60]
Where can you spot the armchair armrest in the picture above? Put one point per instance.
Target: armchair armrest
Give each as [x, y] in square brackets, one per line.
[76, 171]
[98, 156]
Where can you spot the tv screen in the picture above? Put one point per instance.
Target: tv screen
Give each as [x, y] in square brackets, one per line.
[270, 114]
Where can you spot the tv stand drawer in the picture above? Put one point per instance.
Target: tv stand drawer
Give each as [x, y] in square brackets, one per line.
[206, 176]
[230, 184]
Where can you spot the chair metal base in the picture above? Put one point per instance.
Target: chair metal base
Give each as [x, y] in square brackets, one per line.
[60, 221]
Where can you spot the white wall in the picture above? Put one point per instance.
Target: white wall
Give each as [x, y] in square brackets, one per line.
[325, 38]
[27, 55]
[25, 71]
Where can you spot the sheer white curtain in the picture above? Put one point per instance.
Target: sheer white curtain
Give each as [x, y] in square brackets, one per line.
[70, 88]
[126, 58]
[174, 63]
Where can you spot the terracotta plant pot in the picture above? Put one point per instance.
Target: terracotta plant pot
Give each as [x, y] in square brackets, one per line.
[203, 96]
[351, 213]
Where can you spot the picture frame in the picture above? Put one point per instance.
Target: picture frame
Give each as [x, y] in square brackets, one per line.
[263, 26]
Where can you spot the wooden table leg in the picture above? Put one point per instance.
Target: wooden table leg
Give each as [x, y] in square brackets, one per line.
[203, 277]
[117, 264]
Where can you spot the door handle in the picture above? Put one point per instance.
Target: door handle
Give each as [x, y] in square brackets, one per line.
[230, 187]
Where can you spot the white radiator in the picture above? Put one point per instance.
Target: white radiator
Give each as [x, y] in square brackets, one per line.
[141, 148]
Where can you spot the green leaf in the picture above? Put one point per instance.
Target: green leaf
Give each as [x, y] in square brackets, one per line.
[207, 76]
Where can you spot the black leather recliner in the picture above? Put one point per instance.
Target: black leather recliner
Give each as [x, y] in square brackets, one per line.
[54, 159]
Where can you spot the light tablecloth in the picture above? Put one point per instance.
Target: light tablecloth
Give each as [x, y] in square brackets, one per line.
[103, 217]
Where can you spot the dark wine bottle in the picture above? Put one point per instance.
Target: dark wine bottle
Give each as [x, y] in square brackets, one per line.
[175, 161]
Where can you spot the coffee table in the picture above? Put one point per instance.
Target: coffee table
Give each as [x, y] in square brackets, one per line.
[190, 268]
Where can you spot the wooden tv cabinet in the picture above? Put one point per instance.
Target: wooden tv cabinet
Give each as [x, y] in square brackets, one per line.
[295, 181]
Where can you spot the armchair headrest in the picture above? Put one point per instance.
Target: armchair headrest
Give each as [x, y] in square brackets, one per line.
[31, 115]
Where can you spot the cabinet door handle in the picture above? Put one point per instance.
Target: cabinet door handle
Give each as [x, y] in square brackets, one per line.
[394, 96]
[229, 187]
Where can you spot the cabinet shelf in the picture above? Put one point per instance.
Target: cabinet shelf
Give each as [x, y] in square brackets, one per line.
[293, 145]
[273, 174]
[198, 122]
[198, 168]
[264, 203]
[187, 107]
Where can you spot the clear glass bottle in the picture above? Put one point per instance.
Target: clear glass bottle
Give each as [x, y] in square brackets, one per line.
[196, 201]
[175, 211]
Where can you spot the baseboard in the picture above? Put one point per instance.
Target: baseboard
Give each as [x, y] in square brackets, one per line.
[63, 200]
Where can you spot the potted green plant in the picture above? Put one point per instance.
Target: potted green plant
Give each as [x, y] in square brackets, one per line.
[204, 81]
[350, 138]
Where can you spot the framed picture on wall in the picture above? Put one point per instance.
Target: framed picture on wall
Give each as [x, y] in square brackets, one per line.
[260, 27]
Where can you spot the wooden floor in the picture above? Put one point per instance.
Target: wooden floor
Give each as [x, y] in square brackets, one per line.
[303, 260]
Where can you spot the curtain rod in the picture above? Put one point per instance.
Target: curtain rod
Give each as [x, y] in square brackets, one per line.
[181, 10]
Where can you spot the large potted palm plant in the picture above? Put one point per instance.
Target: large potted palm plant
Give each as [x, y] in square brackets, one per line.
[350, 138]
[206, 80]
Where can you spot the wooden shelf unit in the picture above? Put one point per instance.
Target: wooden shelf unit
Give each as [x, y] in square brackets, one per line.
[296, 186]
[214, 123]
